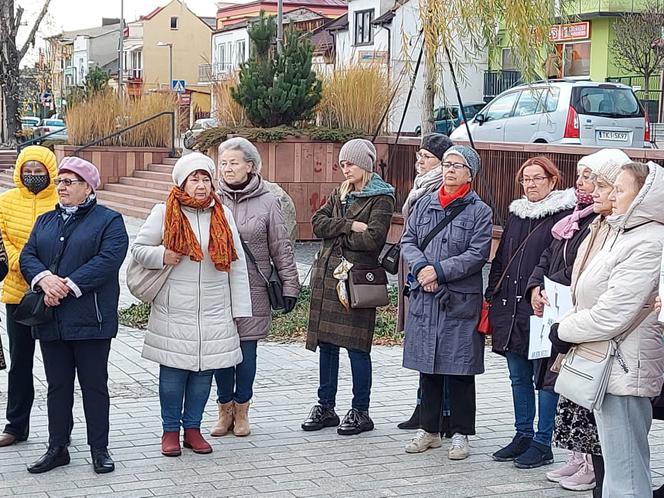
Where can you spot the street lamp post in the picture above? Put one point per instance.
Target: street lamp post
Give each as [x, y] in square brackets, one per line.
[176, 131]
[170, 61]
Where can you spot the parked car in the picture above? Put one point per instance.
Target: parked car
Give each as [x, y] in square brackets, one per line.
[50, 125]
[29, 122]
[563, 112]
[196, 129]
[448, 117]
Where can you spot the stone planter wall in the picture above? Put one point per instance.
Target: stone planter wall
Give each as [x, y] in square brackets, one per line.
[115, 162]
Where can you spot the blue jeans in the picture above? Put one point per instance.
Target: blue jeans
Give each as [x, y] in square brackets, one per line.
[237, 383]
[523, 397]
[360, 365]
[177, 386]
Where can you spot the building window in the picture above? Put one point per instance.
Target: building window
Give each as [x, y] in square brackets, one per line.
[576, 59]
[508, 60]
[174, 23]
[363, 27]
[240, 51]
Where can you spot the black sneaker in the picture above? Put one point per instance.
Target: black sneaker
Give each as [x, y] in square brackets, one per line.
[320, 417]
[536, 456]
[355, 422]
[519, 445]
[413, 422]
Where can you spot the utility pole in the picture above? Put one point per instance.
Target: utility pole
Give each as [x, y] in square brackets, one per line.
[280, 26]
[121, 51]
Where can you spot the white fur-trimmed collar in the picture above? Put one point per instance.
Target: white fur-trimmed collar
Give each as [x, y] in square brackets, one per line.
[556, 201]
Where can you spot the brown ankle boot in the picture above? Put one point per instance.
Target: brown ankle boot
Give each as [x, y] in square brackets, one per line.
[241, 416]
[225, 422]
[170, 444]
[194, 440]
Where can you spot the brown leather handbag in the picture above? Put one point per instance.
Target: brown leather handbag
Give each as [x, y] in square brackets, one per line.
[368, 288]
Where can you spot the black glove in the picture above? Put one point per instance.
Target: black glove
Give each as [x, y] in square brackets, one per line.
[289, 304]
[557, 345]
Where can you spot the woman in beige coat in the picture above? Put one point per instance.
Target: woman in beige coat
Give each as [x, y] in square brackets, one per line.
[614, 297]
[257, 212]
[191, 331]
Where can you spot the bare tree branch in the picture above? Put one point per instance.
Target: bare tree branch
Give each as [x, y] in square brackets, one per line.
[33, 32]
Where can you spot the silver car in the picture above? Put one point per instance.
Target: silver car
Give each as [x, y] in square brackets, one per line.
[562, 112]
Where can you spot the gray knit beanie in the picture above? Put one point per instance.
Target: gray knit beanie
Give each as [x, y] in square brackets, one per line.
[607, 163]
[360, 152]
[436, 143]
[471, 158]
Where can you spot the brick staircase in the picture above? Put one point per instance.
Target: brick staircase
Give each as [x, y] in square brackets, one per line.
[7, 158]
[132, 195]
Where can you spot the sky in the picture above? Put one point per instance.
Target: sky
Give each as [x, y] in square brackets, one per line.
[79, 14]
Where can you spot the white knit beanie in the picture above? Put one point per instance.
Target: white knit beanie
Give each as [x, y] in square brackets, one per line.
[359, 152]
[193, 161]
[606, 163]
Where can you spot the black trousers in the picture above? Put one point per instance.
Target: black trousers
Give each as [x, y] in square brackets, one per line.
[21, 388]
[63, 360]
[461, 390]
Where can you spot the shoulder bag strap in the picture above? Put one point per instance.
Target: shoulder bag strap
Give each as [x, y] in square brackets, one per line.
[251, 257]
[516, 253]
[442, 224]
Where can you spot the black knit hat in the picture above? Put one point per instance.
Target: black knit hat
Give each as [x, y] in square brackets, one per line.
[436, 143]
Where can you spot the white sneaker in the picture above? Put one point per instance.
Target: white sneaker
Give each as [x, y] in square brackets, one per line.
[574, 463]
[583, 480]
[460, 448]
[422, 441]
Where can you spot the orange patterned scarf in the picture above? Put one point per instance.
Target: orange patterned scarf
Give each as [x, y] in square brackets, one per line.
[179, 236]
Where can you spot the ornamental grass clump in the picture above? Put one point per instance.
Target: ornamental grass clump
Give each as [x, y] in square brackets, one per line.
[105, 113]
[356, 97]
[226, 110]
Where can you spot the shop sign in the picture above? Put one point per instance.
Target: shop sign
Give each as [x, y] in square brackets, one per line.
[569, 32]
[369, 57]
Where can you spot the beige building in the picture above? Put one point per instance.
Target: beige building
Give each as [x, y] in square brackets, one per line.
[175, 28]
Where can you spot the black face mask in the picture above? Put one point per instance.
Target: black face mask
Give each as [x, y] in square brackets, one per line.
[35, 183]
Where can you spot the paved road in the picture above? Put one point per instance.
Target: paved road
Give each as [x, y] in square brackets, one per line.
[278, 459]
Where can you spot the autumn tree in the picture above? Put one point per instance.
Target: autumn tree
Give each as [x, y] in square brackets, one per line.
[634, 48]
[11, 18]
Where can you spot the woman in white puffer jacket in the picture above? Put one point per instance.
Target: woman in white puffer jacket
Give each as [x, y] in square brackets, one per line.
[191, 330]
[615, 295]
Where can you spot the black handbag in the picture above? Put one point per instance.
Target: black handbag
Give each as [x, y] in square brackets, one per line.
[390, 259]
[32, 310]
[275, 288]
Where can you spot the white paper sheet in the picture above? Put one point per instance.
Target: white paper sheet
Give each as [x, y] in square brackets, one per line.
[661, 288]
[560, 302]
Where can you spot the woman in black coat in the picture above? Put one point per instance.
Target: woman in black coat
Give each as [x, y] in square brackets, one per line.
[73, 256]
[527, 235]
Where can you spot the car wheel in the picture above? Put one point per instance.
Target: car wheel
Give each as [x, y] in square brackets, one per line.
[418, 130]
[188, 141]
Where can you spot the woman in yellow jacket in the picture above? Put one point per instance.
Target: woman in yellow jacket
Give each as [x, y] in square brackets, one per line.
[34, 194]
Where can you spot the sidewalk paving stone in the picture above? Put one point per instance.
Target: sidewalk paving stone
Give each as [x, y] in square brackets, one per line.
[278, 459]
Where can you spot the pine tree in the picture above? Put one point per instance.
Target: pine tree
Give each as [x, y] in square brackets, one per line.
[277, 89]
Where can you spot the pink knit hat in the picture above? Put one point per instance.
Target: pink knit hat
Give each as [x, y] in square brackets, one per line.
[86, 170]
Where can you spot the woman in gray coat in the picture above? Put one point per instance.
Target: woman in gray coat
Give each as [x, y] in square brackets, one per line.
[445, 281]
[257, 212]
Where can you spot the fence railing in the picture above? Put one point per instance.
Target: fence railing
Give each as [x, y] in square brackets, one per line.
[500, 162]
[496, 82]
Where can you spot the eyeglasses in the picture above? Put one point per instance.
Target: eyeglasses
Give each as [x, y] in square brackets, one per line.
[423, 157]
[536, 180]
[454, 166]
[66, 181]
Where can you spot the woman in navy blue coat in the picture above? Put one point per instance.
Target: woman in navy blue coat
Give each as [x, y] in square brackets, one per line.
[74, 255]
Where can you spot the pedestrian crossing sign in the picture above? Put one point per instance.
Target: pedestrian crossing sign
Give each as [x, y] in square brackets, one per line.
[178, 86]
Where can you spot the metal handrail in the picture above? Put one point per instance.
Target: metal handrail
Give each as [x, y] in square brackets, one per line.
[119, 132]
[40, 138]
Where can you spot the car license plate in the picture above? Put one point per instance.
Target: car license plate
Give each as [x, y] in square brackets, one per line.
[613, 136]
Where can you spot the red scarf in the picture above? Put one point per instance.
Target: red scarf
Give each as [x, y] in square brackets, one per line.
[446, 199]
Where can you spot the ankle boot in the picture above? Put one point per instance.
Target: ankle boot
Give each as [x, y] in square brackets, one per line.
[241, 419]
[225, 422]
[56, 456]
[170, 444]
[413, 422]
[194, 439]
